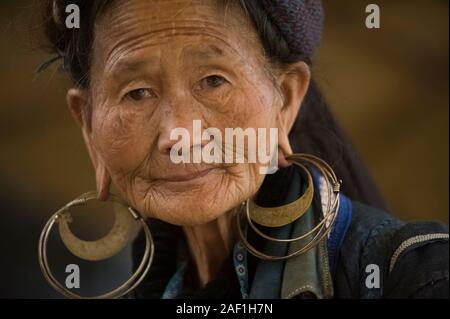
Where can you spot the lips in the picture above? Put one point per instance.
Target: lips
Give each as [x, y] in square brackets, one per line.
[185, 177]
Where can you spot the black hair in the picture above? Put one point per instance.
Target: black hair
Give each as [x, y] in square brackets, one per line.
[315, 131]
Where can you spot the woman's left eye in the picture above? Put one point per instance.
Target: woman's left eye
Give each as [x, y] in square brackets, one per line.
[215, 81]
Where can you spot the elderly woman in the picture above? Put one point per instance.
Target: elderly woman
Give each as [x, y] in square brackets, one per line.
[143, 69]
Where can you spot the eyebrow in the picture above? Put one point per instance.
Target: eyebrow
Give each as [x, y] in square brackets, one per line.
[208, 53]
[128, 66]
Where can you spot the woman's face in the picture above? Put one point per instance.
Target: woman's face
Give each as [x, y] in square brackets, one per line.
[159, 65]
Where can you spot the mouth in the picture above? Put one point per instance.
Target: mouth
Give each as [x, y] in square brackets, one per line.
[186, 177]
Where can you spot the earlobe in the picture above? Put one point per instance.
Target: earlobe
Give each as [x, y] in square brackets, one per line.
[284, 146]
[103, 180]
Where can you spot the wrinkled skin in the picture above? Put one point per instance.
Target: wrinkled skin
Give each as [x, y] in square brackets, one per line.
[159, 65]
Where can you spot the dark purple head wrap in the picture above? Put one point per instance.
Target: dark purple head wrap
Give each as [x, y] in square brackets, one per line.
[300, 22]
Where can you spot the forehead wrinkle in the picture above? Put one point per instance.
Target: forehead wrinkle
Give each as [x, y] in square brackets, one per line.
[132, 31]
[137, 44]
[127, 8]
[120, 34]
[139, 23]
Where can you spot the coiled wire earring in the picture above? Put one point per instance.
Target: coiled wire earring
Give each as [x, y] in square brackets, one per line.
[101, 249]
[280, 216]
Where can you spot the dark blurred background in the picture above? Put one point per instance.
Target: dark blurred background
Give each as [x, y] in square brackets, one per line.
[388, 88]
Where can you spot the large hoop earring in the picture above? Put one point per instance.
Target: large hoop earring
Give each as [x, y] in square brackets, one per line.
[104, 248]
[282, 215]
[319, 231]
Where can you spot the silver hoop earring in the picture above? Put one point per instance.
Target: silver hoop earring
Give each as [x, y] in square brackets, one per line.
[278, 216]
[101, 249]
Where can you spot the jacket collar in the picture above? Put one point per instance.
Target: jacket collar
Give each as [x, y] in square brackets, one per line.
[307, 275]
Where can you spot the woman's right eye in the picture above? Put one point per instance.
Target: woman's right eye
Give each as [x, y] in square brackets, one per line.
[140, 94]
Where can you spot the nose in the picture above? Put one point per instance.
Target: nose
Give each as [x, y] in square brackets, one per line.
[176, 118]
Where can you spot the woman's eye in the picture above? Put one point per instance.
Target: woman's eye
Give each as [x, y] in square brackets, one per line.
[140, 94]
[214, 81]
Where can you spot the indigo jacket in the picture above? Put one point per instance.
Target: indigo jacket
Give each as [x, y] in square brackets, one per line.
[369, 254]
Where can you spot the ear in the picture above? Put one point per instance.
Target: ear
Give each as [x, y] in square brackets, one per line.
[78, 102]
[294, 83]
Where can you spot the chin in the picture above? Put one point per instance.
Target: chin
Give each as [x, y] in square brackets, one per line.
[193, 202]
[191, 205]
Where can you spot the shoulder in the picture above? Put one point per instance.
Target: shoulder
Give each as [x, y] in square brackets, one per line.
[409, 259]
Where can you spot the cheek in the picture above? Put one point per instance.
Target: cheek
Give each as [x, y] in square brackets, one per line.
[248, 109]
[260, 109]
[122, 136]
[245, 107]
